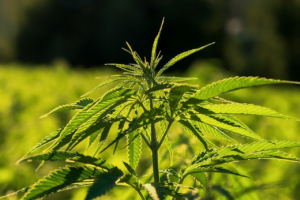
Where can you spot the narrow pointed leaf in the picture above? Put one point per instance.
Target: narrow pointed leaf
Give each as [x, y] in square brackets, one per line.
[129, 168]
[69, 157]
[93, 138]
[121, 77]
[134, 148]
[153, 54]
[235, 83]
[214, 169]
[16, 193]
[111, 99]
[46, 140]
[176, 94]
[257, 147]
[78, 105]
[59, 179]
[159, 87]
[102, 138]
[153, 116]
[214, 121]
[179, 57]
[59, 144]
[211, 130]
[246, 109]
[174, 79]
[187, 126]
[128, 68]
[233, 153]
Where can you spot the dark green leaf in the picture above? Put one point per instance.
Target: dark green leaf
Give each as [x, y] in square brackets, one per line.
[129, 168]
[69, 156]
[104, 183]
[134, 148]
[59, 179]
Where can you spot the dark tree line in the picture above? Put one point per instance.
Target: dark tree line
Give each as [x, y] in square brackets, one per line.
[252, 37]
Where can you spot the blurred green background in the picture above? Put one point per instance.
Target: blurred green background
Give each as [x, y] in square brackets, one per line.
[49, 51]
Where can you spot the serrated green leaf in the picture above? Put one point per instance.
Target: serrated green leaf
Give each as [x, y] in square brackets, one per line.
[176, 94]
[159, 87]
[103, 106]
[104, 183]
[78, 105]
[153, 53]
[150, 117]
[128, 68]
[179, 57]
[173, 79]
[140, 63]
[134, 148]
[70, 157]
[188, 127]
[213, 169]
[234, 120]
[158, 59]
[233, 153]
[102, 138]
[258, 147]
[93, 137]
[247, 109]
[61, 143]
[59, 179]
[92, 125]
[46, 140]
[111, 80]
[208, 129]
[221, 123]
[16, 193]
[95, 130]
[235, 83]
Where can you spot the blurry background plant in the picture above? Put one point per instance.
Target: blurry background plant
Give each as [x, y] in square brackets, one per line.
[253, 38]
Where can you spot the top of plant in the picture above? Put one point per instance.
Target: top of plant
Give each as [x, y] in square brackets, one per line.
[142, 99]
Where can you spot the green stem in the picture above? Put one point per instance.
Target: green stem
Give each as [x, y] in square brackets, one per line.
[141, 195]
[146, 140]
[164, 135]
[179, 182]
[154, 149]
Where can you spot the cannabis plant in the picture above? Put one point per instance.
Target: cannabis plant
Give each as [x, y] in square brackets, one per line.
[144, 106]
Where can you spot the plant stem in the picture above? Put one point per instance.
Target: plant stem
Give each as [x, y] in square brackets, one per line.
[164, 134]
[154, 150]
[141, 195]
[177, 187]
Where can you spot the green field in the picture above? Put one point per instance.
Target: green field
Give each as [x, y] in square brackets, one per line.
[29, 92]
